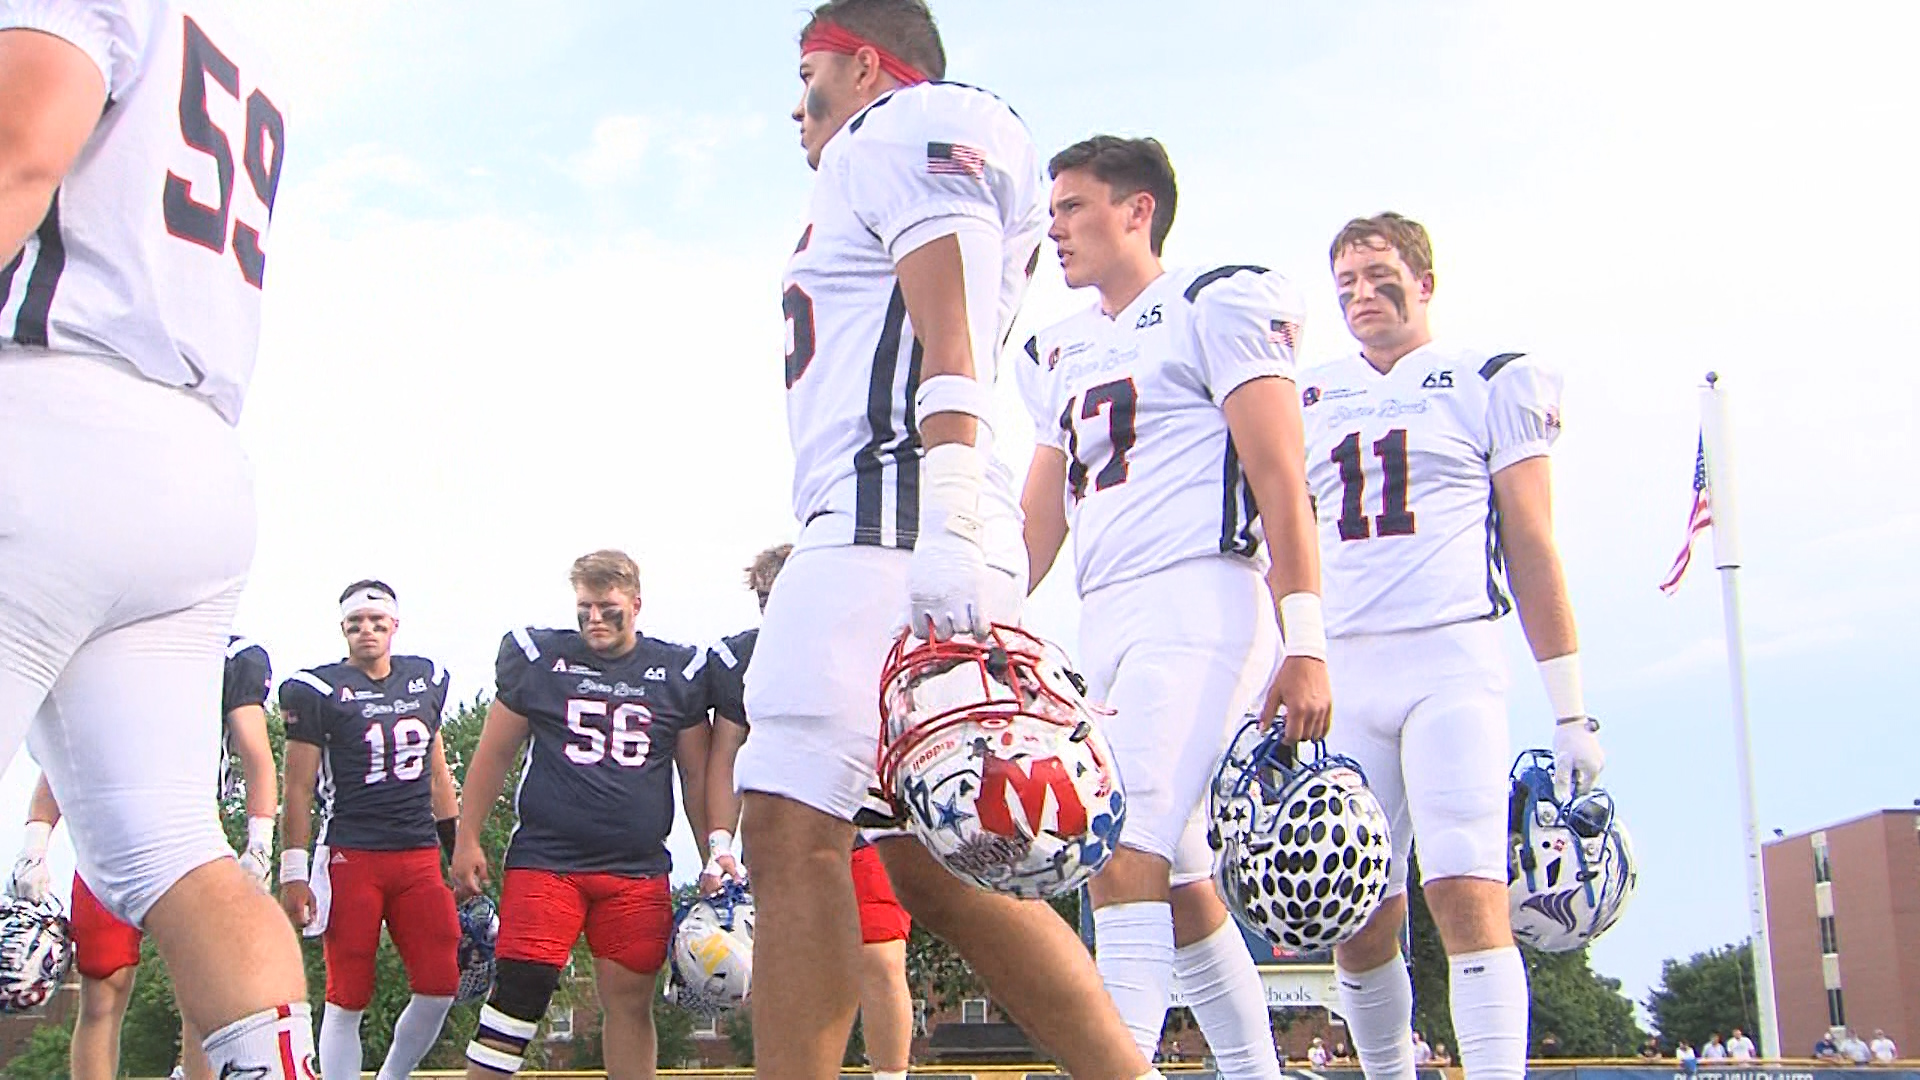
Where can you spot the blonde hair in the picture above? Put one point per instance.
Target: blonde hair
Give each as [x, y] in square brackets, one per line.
[1404, 235]
[766, 566]
[606, 570]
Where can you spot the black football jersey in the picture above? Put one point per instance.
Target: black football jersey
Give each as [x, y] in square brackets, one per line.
[376, 780]
[597, 794]
[727, 675]
[248, 681]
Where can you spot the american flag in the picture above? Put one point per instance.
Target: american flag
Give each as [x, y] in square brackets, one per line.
[956, 159]
[1697, 521]
[1281, 332]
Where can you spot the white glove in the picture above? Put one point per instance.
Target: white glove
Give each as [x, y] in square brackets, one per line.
[31, 881]
[946, 579]
[257, 857]
[1577, 757]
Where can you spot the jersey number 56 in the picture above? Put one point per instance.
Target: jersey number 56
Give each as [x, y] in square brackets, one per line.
[621, 735]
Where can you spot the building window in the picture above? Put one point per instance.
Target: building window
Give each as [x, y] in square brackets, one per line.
[560, 1023]
[1829, 936]
[973, 1011]
[1836, 1009]
[706, 1027]
[1821, 870]
[919, 1016]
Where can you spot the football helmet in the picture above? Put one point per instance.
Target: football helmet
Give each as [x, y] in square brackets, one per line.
[1303, 847]
[1570, 868]
[36, 946]
[992, 755]
[711, 956]
[479, 930]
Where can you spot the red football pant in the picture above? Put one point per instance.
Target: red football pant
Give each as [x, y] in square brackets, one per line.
[102, 944]
[404, 889]
[627, 920]
[881, 916]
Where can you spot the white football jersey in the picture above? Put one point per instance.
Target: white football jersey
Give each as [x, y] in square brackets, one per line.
[1401, 468]
[1134, 401]
[919, 163]
[155, 247]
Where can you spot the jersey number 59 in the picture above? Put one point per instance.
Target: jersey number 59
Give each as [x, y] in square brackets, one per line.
[263, 150]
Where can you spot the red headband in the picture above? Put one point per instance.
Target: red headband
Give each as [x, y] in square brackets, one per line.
[833, 38]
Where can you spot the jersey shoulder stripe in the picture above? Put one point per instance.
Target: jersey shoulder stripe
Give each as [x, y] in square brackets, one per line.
[241, 644]
[310, 679]
[694, 665]
[1492, 367]
[523, 637]
[1214, 275]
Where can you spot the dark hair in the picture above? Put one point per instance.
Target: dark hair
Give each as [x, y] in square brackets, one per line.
[1403, 234]
[368, 583]
[904, 28]
[1128, 166]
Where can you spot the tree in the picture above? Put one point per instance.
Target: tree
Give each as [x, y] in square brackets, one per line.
[739, 1025]
[1584, 1010]
[45, 1057]
[1711, 991]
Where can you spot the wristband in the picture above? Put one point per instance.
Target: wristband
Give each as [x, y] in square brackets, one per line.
[953, 394]
[448, 828]
[1562, 678]
[39, 833]
[719, 842]
[293, 865]
[260, 832]
[1303, 625]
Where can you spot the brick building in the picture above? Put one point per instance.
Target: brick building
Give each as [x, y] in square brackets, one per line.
[15, 1031]
[1843, 912]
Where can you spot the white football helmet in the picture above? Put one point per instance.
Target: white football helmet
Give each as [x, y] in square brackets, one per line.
[711, 959]
[1570, 868]
[479, 932]
[36, 946]
[1303, 847]
[993, 756]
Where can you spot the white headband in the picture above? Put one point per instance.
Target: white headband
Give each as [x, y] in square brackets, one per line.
[369, 600]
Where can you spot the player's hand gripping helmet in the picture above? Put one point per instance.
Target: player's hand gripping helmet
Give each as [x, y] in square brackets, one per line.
[1302, 847]
[711, 959]
[1570, 868]
[479, 930]
[36, 945]
[992, 754]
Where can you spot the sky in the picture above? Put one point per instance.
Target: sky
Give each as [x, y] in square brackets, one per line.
[523, 302]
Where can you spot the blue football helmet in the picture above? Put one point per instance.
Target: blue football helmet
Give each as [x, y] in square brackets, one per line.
[479, 930]
[1570, 867]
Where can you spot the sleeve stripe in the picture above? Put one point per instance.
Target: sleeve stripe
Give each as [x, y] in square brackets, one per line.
[312, 680]
[693, 666]
[726, 654]
[239, 645]
[525, 640]
[1492, 367]
[1212, 276]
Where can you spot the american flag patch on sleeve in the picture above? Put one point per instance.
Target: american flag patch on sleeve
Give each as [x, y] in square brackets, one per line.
[956, 159]
[1281, 332]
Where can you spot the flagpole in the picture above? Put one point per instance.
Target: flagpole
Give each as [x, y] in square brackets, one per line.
[1726, 558]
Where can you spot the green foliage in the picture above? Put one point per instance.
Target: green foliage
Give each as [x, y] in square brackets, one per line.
[1711, 991]
[739, 1025]
[150, 1034]
[673, 1029]
[1585, 1011]
[45, 1057]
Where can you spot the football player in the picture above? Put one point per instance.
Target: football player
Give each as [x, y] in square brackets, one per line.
[140, 149]
[925, 221]
[1168, 427]
[1428, 464]
[107, 951]
[605, 707]
[886, 1003]
[364, 732]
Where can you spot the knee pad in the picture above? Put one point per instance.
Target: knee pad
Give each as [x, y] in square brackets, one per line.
[521, 992]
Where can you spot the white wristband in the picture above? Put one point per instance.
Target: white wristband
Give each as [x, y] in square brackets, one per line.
[260, 832]
[293, 865]
[1303, 625]
[1562, 678]
[39, 833]
[953, 394]
[719, 842]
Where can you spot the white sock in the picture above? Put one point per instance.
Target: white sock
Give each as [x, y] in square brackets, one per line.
[414, 1033]
[1378, 1007]
[1133, 948]
[883, 1074]
[1488, 995]
[340, 1043]
[275, 1044]
[1217, 977]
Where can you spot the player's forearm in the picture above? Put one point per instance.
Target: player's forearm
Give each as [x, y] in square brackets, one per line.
[296, 817]
[248, 731]
[933, 286]
[1043, 505]
[487, 772]
[42, 806]
[723, 805]
[1540, 593]
[1263, 417]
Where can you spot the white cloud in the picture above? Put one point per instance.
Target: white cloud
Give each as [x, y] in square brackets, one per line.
[614, 154]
